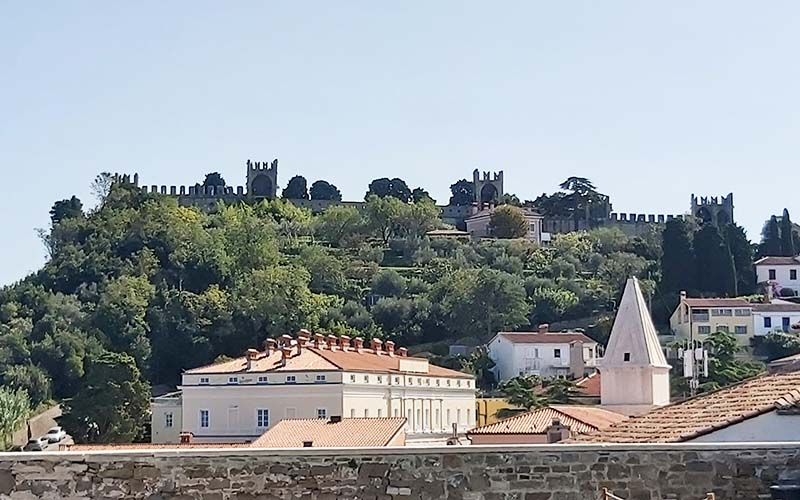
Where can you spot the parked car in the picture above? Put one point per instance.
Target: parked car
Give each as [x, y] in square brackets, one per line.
[36, 444]
[55, 435]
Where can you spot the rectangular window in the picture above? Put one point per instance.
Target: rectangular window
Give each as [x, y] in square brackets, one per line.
[233, 380]
[322, 413]
[262, 417]
[380, 379]
[438, 382]
[703, 329]
[320, 378]
[740, 329]
[458, 383]
[772, 274]
[291, 379]
[203, 380]
[626, 356]
[723, 328]
[448, 382]
[427, 381]
[263, 379]
[792, 274]
[767, 322]
[168, 420]
[204, 418]
[397, 380]
[366, 379]
[722, 312]
[556, 353]
[742, 312]
[352, 378]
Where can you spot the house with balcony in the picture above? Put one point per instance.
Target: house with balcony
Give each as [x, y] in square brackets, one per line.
[778, 316]
[778, 274]
[314, 376]
[698, 317]
[542, 353]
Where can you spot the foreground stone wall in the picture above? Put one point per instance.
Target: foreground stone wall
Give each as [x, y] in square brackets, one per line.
[544, 472]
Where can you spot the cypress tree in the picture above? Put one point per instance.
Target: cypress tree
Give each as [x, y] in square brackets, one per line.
[677, 266]
[787, 240]
[771, 239]
[741, 252]
[713, 262]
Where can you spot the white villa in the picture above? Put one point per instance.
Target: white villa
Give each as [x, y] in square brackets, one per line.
[779, 273]
[542, 353]
[778, 316]
[478, 224]
[320, 377]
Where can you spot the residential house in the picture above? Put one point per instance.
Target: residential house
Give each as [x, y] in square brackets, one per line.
[478, 224]
[697, 318]
[335, 433]
[762, 409]
[634, 372]
[545, 425]
[778, 316]
[321, 377]
[543, 353]
[166, 418]
[778, 273]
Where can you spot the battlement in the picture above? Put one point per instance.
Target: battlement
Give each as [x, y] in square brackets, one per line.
[477, 176]
[712, 200]
[256, 166]
[126, 179]
[197, 191]
[622, 218]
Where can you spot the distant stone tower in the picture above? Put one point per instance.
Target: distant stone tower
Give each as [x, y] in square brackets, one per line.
[634, 374]
[488, 189]
[262, 179]
[713, 210]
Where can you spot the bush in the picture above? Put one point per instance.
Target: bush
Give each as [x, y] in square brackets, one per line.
[787, 292]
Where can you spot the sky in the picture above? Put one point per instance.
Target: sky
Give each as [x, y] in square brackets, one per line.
[651, 101]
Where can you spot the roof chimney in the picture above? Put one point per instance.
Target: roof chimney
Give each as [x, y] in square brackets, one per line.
[358, 343]
[270, 346]
[335, 419]
[302, 337]
[286, 340]
[319, 340]
[544, 328]
[390, 347]
[402, 352]
[683, 294]
[375, 345]
[344, 341]
[332, 339]
[251, 355]
[186, 437]
[286, 353]
[557, 432]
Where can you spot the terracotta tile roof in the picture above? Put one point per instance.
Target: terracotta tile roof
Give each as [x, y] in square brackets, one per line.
[718, 303]
[349, 432]
[777, 261]
[776, 307]
[312, 358]
[590, 385]
[579, 419]
[545, 338]
[706, 413]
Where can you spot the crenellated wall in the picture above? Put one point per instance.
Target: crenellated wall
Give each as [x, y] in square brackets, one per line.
[532, 472]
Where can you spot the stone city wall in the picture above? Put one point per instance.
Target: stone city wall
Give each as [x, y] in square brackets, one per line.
[543, 472]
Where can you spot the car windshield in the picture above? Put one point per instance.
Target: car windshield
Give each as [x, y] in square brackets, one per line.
[53, 431]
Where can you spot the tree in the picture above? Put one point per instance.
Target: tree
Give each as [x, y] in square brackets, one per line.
[787, 235]
[419, 195]
[508, 221]
[113, 403]
[525, 392]
[101, 186]
[712, 262]
[388, 283]
[66, 209]
[561, 391]
[771, 239]
[384, 187]
[338, 224]
[741, 251]
[31, 379]
[780, 345]
[463, 193]
[323, 190]
[296, 189]
[677, 266]
[480, 365]
[382, 215]
[213, 179]
[578, 185]
[723, 366]
[15, 407]
[510, 199]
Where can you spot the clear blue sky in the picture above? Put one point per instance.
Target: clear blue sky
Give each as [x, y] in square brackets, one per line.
[651, 101]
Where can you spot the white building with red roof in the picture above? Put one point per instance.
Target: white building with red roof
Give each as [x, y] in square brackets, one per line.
[543, 353]
[779, 273]
[316, 377]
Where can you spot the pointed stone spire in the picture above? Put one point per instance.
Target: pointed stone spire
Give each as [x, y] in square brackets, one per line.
[634, 372]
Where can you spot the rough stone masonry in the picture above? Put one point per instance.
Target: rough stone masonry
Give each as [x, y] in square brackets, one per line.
[531, 472]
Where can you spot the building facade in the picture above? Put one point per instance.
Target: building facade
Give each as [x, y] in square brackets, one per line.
[479, 224]
[542, 353]
[779, 273]
[238, 400]
[697, 318]
[778, 316]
